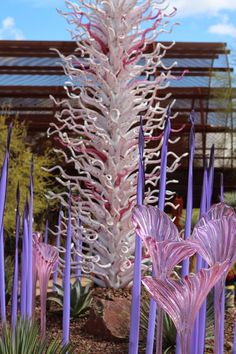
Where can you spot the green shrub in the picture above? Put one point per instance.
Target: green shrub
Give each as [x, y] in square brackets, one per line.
[26, 340]
[21, 152]
[80, 298]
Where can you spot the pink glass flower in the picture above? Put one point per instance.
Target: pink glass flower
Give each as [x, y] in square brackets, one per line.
[152, 222]
[182, 299]
[217, 211]
[215, 240]
[164, 245]
[167, 254]
[161, 238]
[46, 256]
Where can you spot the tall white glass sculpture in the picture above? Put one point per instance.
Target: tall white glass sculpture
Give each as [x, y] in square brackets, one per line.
[116, 75]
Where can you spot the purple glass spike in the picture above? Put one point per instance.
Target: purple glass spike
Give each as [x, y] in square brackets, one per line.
[2, 278]
[55, 273]
[136, 290]
[3, 189]
[163, 167]
[189, 206]
[210, 177]
[203, 204]
[66, 299]
[222, 188]
[78, 247]
[3, 180]
[30, 246]
[46, 256]
[183, 299]
[24, 264]
[203, 208]
[15, 275]
[161, 205]
[46, 226]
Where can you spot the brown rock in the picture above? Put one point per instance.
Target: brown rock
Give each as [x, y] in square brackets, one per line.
[109, 319]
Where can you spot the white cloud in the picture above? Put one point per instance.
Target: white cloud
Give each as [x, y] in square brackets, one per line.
[8, 29]
[224, 27]
[191, 8]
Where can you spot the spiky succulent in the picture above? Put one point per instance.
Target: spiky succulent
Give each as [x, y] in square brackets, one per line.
[26, 339]
[80, 298]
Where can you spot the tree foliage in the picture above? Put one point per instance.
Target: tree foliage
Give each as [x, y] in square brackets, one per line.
[19, 171]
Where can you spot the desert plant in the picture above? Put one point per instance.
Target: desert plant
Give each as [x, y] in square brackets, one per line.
[80, 298]
[26, 339]
[20, 157]
[195, 217]
[230, 198]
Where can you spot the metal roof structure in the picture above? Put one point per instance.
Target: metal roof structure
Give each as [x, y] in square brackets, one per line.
[30, 71]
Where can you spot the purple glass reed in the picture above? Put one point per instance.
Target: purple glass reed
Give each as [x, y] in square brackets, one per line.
[3, 180]
[3, 189]
[136, 290]
[202, 312]
[2, 277]
[55, 273]
[46, 226]
[30, 245]
[210, 177]
[221, 187]
[161, 204]
[189, 205]
[203, 209]
[24, 263]
[15, 275]
[78, 247]
[66, 299]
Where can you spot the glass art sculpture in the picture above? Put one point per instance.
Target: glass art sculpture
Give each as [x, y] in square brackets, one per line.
[46, 256]
[182, 299]
[112, 78]
[215, 240]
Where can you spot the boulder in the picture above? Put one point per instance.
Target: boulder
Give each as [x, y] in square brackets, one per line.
[109, 319]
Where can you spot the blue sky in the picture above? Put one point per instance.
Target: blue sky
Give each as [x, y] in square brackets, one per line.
[200, 20]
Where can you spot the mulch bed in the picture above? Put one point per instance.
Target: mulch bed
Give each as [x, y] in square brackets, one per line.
[85, 343]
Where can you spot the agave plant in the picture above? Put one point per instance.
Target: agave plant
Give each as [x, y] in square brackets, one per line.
[25, 338]
[80, 298]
